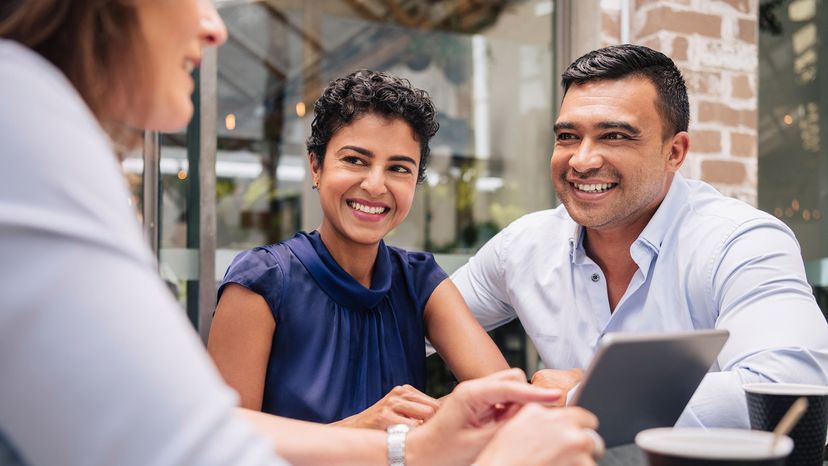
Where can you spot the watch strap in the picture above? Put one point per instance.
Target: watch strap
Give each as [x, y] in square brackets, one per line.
[396, 444]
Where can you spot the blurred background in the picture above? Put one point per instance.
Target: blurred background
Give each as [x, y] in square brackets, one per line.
[237, 176]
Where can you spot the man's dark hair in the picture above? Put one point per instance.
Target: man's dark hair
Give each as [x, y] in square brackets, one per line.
[363, 92]
[620, 61]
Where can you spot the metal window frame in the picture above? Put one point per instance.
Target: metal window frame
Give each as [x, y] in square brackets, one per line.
[151, 188]
[201, 192]
[208, 138]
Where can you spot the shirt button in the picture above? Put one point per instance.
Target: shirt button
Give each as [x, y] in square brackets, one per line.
[595, 277]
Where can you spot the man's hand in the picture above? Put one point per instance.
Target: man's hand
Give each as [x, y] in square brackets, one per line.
[563, 380]
[546, 436]
[404, 404]
[470, 416]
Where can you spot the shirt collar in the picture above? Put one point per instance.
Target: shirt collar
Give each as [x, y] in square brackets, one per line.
[665, 216]
[577, 254]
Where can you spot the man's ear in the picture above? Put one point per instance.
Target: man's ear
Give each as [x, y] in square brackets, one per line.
[679, 146]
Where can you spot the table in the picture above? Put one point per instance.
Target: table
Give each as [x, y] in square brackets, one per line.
[631, 455]
[624, 455]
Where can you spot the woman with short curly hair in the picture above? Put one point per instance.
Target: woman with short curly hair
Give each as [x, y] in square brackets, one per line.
[330, 326]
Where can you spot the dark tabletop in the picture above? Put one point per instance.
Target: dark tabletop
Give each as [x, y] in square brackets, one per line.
[631, 455]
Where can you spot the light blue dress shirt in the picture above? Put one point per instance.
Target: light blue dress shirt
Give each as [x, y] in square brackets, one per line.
[704, 261]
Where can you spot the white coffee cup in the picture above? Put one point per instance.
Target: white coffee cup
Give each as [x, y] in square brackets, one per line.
[697, 446]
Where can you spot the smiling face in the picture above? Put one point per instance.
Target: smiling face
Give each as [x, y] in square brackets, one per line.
[612, 165]
[175, 31]
[366, 184]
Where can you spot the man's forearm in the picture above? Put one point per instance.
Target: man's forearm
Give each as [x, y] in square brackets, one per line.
[718, 402]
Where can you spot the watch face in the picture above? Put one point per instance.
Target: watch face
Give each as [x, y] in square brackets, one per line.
[398, 428]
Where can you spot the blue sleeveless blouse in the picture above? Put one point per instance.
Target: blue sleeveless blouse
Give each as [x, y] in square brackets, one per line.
[338, 347]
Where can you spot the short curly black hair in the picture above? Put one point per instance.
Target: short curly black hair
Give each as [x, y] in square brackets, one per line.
[621, 61]
[363, 92]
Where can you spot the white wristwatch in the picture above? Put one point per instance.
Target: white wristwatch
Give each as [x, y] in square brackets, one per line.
[396, 444]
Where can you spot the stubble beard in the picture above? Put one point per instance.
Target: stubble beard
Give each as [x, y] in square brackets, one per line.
[624, 209]
[592, 216]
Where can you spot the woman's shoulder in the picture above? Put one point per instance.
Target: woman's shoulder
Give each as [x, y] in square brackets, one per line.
[261, 269]
[40, 93]
[261, 257]
[413, 259]
[419, 270]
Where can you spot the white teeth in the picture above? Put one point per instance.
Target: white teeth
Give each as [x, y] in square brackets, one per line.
[366, 209]
[189, 66]
[594, 188]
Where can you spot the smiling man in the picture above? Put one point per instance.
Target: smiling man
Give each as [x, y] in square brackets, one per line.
[636, 247]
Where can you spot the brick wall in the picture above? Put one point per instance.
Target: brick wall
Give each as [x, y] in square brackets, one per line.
[714, 43]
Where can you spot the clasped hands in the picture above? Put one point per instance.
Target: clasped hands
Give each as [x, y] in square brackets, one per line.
[405, 404]
[483, 419]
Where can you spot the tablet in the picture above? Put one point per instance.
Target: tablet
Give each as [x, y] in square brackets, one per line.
[637, 381]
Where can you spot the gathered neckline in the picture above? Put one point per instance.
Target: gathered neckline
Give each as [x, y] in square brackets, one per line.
[334, 280]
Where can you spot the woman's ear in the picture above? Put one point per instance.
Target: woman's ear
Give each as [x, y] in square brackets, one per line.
[315, 169]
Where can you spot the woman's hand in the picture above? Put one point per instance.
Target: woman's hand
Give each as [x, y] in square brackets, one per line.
[563, 436]
[404, 404]
[470, 417]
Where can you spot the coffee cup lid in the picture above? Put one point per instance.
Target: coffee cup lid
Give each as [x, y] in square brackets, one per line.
[794, 389]
[716, 443]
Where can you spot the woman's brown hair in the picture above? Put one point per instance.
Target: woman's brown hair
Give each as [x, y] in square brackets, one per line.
[95, 43]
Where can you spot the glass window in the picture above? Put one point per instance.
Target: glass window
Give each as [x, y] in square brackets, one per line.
[488, 68]
[793, 166]
[178, 265]
[174, 219]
